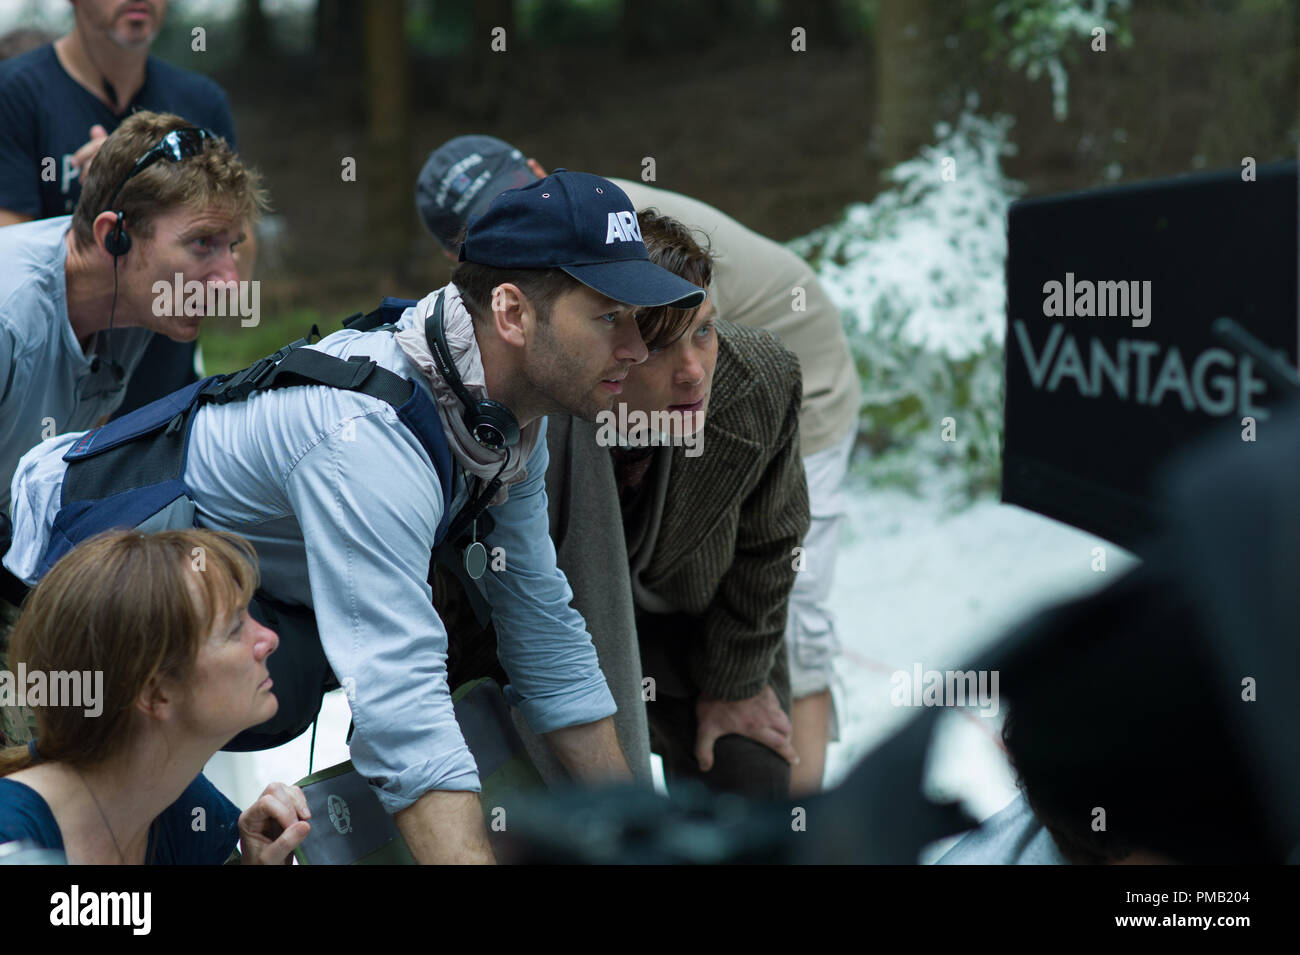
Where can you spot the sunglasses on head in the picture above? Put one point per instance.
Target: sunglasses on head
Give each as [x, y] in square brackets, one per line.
[177, 145]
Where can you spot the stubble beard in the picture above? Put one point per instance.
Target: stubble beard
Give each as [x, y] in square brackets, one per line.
[125, 36]
[557, 390]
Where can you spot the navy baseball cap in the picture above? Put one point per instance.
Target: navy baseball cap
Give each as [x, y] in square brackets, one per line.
[461, 177]
[582, 224]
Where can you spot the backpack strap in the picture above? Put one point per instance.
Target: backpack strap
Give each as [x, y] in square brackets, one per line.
[144, 452]
[306, 366]
[365, 321]
[388, 313]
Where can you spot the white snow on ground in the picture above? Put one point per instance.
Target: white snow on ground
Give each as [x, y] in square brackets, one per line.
[914, 585]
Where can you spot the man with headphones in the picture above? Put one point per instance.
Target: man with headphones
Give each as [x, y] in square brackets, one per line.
[58, 102]
[345, 495]
[77, 299]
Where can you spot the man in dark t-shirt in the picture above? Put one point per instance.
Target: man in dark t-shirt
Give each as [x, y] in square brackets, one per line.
[60, 100]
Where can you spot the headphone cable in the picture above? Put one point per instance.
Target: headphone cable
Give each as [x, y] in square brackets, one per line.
[113, 366]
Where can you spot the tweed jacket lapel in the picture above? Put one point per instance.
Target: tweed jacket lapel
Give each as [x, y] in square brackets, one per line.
[703, 489]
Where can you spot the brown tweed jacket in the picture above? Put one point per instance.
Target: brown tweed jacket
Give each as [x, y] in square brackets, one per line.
[733, 516]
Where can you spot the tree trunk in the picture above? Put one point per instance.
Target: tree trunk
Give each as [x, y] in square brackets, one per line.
[483, 86]
[914, 74]
[338, 36]
[636, 27]
[818, 17]
[387, 177]
[256, 29]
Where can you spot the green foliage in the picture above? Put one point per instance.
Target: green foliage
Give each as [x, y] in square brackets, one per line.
[919, 276]
[859, 15]
[228, 348]
[439, 29]
[1047, 36]
[549, 22]
[908, 391]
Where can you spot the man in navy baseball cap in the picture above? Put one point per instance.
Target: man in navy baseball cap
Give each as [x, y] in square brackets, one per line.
[583, 225]
[574, 221]
[552, 274]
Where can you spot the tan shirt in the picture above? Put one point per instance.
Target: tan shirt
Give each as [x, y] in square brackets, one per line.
[753, 279]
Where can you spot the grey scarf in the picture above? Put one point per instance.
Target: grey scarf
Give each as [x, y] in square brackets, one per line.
[458, 326]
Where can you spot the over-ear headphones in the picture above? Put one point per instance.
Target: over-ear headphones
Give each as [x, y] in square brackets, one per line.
[492, 424]
[118, 242]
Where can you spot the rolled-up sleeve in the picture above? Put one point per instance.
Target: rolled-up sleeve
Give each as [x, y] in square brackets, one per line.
[368, 501]
[542, 642]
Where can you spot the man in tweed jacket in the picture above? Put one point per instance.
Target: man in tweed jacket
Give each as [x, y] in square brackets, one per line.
[708, 587]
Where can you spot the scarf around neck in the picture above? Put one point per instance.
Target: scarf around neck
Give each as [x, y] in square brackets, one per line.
[458, 328]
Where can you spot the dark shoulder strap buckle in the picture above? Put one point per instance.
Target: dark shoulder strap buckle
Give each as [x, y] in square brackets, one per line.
[241, 384]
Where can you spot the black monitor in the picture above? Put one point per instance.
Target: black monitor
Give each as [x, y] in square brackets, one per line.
[1112, 355]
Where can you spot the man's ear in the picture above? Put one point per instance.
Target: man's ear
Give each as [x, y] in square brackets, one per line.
[536, 167]
[101, 227]
[512, 314]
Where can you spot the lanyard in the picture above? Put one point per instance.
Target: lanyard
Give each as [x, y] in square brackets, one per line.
[475, 552]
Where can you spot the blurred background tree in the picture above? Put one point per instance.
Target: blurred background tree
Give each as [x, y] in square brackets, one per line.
[388, 221]
[785, 140]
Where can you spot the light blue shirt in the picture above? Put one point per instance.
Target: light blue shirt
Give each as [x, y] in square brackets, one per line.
[342, 503]
[48, 384]
[1012, 836]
